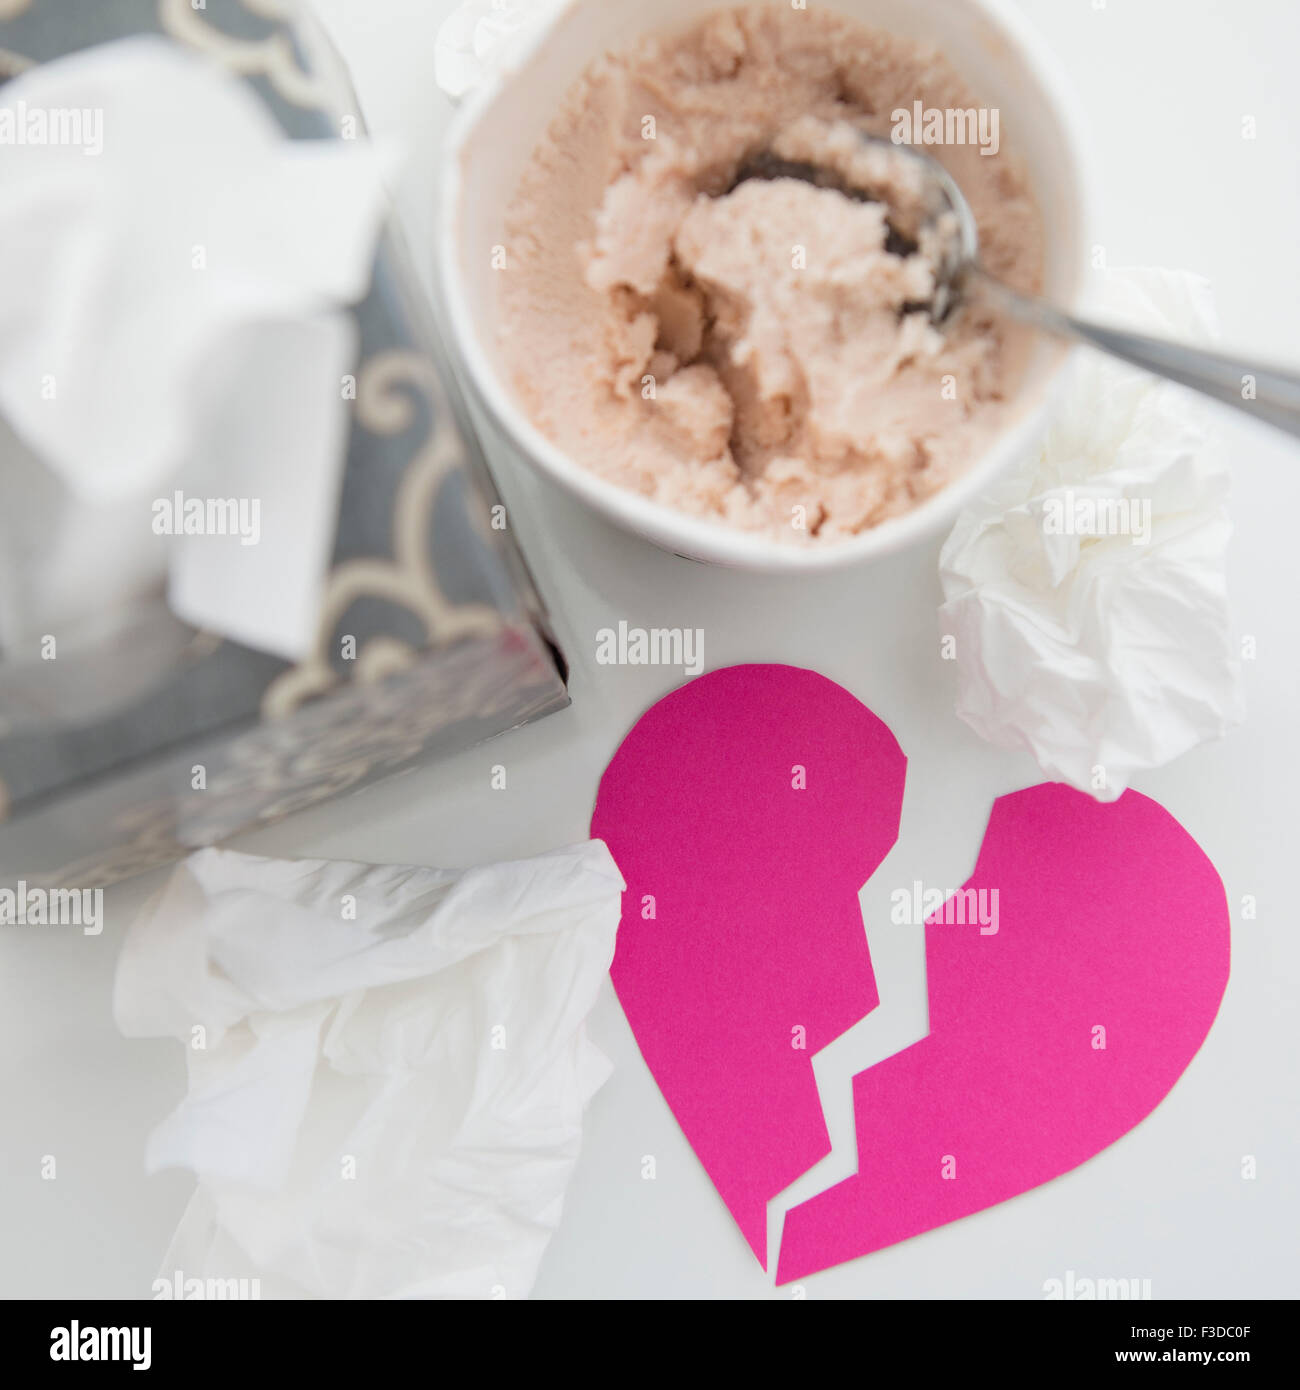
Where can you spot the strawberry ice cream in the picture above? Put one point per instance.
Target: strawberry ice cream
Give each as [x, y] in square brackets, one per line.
[758, 351]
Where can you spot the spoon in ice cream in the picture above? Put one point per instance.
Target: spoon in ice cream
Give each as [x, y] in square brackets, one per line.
[941, 223]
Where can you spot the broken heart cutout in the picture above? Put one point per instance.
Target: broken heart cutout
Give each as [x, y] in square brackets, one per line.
[745, 810]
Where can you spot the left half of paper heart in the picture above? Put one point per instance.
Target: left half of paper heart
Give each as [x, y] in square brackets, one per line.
[746, 810]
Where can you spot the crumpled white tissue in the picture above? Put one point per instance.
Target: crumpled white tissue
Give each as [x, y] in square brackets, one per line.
[172, 276]
[388, 1066]
[472, 39]
[1098, 655]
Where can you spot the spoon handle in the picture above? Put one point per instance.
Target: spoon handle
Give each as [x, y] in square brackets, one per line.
[1263, 392]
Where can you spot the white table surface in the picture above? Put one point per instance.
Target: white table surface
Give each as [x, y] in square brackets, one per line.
[1167, 83]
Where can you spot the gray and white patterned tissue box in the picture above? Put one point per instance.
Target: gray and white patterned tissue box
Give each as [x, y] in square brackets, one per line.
[449, 642]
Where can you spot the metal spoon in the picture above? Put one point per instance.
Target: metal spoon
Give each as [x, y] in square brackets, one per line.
[1276, 392]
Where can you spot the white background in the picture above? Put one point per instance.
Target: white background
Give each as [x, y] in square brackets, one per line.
[1166, 84]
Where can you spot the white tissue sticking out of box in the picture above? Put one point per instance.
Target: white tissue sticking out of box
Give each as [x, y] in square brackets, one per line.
[1086, 592]
[388, 1066]
[171, 322]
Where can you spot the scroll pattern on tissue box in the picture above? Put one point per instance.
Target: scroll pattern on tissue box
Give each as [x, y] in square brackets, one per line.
[448, 639]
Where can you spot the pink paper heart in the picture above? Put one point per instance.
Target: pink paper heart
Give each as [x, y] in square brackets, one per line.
[1109, 917]
[745, 811]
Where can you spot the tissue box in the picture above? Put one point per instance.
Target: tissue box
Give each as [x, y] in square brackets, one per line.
[432, 635]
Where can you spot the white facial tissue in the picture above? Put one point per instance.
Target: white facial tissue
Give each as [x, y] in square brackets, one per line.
[388, 1066]
[1086, 593]
[474, 36]
[173, 341]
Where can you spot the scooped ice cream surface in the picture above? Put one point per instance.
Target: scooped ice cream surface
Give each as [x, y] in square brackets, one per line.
[756, 351]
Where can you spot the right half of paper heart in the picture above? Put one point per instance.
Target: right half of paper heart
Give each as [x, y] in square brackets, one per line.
[1050, 1038]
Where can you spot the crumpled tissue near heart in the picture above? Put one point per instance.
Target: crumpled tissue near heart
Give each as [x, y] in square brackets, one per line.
[172, 319]
[388, 1066]
[1087, 592]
